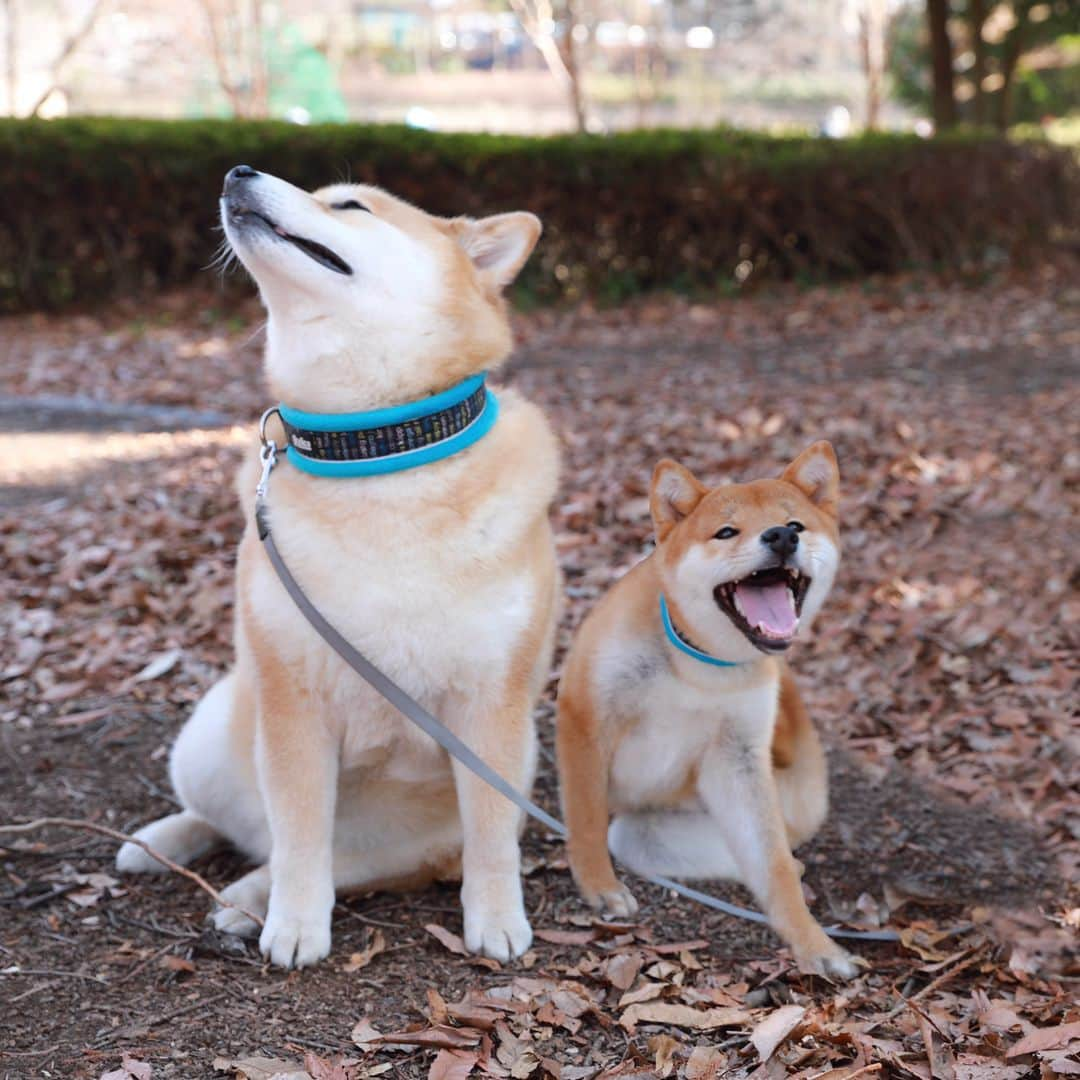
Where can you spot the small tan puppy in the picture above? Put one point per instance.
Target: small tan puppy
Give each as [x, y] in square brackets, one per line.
[443, 574]
[677, 714]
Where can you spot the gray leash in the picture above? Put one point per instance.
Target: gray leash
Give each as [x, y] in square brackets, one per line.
[414, 711]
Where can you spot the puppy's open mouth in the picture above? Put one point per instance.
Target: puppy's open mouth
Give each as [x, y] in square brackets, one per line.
[314, 250]
[765, 606]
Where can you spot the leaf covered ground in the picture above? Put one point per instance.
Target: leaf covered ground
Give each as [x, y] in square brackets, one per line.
[942, 675]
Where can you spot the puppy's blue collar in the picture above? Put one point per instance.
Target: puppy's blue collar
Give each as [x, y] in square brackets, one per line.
[683, 645]
[390, 440]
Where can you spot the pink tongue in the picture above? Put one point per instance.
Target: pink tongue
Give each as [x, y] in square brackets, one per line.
[768, 608]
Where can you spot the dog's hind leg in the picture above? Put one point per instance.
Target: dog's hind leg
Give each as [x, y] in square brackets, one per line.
[252, 893]
[673, 843]
[212, 773]
[180, 837]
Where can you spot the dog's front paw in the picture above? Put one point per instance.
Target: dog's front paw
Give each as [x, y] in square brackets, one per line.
[500, 935]
[617, 901]
[830, 961]
[295, 939]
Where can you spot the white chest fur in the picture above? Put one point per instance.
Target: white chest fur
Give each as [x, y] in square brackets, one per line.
[678, 718]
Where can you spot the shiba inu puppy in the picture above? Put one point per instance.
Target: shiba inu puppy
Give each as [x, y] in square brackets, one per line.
[677, 714]
[443, 574]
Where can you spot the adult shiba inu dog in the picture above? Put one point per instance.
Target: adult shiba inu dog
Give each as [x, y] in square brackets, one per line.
[442, 573]
[677, 714]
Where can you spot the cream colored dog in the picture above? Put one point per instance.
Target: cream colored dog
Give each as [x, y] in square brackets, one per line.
[691, 730]
[443, 575]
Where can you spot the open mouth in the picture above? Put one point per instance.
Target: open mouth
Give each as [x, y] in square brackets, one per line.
[314, 250]
[766, 605]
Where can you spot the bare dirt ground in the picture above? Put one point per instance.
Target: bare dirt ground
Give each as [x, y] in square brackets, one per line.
[942, 675]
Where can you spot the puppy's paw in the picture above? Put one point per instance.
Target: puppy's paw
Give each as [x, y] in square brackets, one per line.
[500, 935]
[617, 901]
[831, 961]
[295, 939]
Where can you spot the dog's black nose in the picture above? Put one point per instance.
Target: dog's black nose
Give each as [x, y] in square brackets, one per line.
[238, 173]
[782, 539]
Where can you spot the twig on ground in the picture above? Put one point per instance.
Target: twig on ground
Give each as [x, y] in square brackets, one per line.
[48, 973]
[104, 830]
[929, 988]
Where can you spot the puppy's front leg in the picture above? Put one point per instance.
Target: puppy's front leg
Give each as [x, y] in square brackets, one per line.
[584, 764]
[737, 786]
[297, 760]
[495, 920]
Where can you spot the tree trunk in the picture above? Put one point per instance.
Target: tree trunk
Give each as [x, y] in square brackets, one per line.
[1010, 58]
[937, 14]
[977, 19]
[221, 61]
[260, 78]
[535, 17]
[11, 49]
[873, 23]
[569, 52]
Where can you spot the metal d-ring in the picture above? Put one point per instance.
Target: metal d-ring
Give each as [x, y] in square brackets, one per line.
[272, 411]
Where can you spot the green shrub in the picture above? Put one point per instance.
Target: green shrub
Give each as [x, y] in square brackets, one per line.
[97, 207]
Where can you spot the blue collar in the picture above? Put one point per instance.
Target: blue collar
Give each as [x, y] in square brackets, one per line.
[684, 646]
[390, 440]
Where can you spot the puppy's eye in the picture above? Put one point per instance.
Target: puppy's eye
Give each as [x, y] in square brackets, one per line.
[726, 533]
[352, 204]
[798, 526]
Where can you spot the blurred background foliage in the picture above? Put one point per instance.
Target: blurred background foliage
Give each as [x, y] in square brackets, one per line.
[697, 145]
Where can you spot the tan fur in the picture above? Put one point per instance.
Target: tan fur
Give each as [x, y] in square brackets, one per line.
[444, 576]
[710, 772]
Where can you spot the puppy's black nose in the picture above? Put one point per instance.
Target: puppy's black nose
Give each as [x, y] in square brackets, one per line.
[238, 173]
[782, 539]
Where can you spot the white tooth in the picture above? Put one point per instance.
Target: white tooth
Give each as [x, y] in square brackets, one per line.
[738, 606]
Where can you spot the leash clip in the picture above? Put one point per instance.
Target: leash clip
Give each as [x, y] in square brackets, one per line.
[268, 457]
[269, 452]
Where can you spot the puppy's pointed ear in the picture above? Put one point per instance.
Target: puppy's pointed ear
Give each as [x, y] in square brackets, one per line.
[499, 245]
[673, 494]
[816, 473]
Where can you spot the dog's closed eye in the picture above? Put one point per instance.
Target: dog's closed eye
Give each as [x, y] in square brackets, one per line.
[351, 204]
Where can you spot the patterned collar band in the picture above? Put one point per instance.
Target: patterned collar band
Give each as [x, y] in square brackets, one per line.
[393, 439]
[683, 645]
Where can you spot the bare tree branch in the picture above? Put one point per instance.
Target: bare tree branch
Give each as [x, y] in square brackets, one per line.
[537, 17]
[77, 37]
[115, 834]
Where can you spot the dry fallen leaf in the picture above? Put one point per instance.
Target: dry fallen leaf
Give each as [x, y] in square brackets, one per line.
[769, 1033]
[438, 1035]
[453, 1064]
[130, 1069]
[160, 665]
[663, 1048]
[682, 1016]
[1045, 1039]
[705, 1063]
[365, 1035]
[261, 1068]
[447, 938]
[358, 960]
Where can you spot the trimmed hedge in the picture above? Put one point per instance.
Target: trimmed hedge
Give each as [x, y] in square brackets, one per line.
[96, 207]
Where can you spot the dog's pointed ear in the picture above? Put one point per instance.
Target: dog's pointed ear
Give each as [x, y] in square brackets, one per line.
[673, 494]
[816, 473]
[499, 245]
